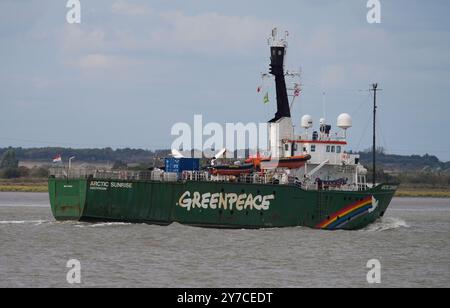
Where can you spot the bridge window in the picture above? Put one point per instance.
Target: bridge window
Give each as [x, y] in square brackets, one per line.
[286, 147]
[338, 149]
[328, 149]
[333, 149]
[313, 148]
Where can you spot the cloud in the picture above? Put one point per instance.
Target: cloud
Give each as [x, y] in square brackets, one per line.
[209, 32]
[333, 76]
[170, 32]
[76, 38]
[123, 8]
[101, 61]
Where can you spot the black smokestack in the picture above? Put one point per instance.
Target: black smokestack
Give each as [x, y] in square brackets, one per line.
[277, 69]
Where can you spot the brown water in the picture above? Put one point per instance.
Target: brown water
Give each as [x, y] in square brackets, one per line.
[412, 243]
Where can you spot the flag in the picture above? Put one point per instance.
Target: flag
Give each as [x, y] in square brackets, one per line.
[57, 159]
[266, 98]
[259, 89]
[297, 90]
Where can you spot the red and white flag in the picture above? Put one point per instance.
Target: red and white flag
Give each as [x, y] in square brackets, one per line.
[57, 159]
[297, 90]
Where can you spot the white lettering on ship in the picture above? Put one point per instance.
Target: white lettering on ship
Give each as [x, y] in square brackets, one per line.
[100, 185]
[226, 201]
[121, 185]
[389, 187]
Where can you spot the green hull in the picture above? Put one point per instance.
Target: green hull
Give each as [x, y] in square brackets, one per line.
[214, 204]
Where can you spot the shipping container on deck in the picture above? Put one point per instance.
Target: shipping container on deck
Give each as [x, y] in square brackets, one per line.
[178, 165]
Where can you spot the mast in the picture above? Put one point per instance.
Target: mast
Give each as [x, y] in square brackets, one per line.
[374, 145]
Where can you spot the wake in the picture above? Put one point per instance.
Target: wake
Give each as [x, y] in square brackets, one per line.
[102, 225]
[22, 222]
[387, 223]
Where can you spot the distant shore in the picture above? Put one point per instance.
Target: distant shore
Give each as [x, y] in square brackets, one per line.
[423, 193]
[28, 185]
[40, 185]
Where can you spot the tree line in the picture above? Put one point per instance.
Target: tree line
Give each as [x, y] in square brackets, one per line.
[46, 154]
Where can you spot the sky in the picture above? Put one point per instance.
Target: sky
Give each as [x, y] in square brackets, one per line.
[132, 69]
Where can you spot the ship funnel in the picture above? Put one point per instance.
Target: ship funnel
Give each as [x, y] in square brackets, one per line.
[277, 54]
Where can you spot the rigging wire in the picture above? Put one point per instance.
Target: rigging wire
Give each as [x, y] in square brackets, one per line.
[380, 133]
[363, 133]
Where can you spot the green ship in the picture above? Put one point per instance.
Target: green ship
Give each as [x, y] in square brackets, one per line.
[305, 180]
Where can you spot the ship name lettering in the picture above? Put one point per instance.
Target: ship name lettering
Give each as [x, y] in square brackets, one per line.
[121, 185]
[226, 201]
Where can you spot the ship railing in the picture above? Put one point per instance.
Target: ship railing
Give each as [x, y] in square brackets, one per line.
[197, 176]
[204, 176]
[348, 187]
[257, 178]
[119, 175]
[72, 173]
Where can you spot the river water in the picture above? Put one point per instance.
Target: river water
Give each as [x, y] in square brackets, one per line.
[412, 244]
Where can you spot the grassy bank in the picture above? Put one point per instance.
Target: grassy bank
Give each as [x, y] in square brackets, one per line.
[423, 192]
[23, 185]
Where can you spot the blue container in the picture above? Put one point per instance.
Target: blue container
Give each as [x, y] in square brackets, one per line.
[178, 165]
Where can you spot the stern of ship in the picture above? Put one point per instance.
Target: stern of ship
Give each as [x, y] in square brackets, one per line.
[67, 198]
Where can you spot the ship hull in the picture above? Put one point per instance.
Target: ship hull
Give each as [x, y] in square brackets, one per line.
[216, 205]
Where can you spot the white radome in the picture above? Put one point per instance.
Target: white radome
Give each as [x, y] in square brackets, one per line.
[344, 121]
[307, 121]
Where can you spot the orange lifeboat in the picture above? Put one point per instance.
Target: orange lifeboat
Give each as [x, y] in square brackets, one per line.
[293, 162]
[235, 170]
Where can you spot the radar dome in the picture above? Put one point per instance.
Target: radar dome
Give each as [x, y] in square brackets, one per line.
[307, 121]
[344, 121]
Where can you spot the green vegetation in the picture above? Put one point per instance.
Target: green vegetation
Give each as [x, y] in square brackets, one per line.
[9, 160]
[9, 165]
[404, 162]
[24, 185]
[421, 192]
[86, 155]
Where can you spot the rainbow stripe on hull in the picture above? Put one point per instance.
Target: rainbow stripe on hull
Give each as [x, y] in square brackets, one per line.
[339, 219]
